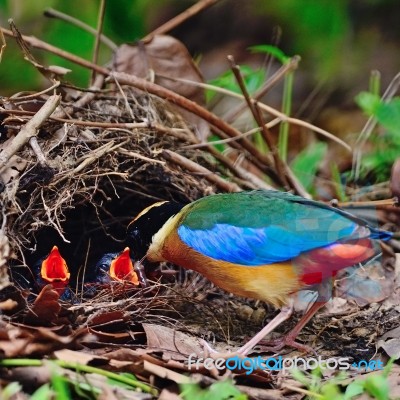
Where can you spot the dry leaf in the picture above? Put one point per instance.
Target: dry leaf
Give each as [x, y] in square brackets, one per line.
[391, 346]
[78, 357]
[167, 394]
[368, 284]
[173, 343]
[14, 347]
[109, 326]
[165, 373]
[105, 318]
[161, 58]
[14, 167]
[46, 308]
[22, 340]
[390, 342]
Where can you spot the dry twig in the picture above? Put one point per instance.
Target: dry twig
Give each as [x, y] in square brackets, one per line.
[198, 169]
[29, 130]
[179, 19]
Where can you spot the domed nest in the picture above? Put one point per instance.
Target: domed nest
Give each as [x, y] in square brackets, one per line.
[96, 162]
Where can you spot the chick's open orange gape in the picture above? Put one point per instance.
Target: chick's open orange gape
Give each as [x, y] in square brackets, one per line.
[264, 245]
[116, 267]
[54, 270]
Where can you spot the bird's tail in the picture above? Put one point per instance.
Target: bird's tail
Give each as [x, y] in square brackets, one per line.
[380, 234]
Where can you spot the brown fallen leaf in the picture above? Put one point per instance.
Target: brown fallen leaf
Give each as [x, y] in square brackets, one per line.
[391, 347]
[46, 308]
[368, 284]
[174, 344]
[88, 359]
[390, 342]
[110, 326]
[22, 340]
[167, 394]
[117, 337]
[104, 318]
[165, 373]
[160, 60]
[13, 347]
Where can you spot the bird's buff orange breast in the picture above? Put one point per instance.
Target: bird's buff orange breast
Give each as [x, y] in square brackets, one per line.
[272, 283]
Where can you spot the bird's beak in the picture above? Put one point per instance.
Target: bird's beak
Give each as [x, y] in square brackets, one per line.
[54, 269]
[121, 268]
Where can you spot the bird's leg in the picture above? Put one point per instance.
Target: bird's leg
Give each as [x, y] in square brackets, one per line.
[290, 338]
[285, 313]
[324, 294]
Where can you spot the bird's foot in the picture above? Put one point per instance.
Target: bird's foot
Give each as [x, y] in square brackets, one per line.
[278, 344]
[226, 363]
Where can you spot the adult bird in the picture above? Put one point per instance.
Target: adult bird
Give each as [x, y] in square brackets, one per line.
[265, 245]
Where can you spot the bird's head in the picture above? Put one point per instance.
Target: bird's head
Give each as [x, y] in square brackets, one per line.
[54, 270]
[121, 268]
[141, 230]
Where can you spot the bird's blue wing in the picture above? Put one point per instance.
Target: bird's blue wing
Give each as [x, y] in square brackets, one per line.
[252, 230]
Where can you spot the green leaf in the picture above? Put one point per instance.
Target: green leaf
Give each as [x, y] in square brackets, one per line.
[340, 191]
[60, 386]
[225, 390]
[272, 50]
[300, 377]
[330, 390]
[388, 115]
[217, 391]
[128, 375]
[306, 163]
[377, 386]
[43, 393]
[354, 389]
[213, 138]
[368, 102]
[10, 390]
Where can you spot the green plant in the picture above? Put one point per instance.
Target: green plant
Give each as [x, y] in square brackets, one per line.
[286, 96]
[10, 390]
[305, 164]
[386, 140]
[375, 385]
[318, 30]
[253, 79]
[224, 390]
[62, 385]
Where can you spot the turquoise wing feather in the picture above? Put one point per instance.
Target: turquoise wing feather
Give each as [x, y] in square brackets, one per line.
[264, 227]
